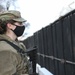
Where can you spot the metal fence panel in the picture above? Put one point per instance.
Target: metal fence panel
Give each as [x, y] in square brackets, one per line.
[56, 45]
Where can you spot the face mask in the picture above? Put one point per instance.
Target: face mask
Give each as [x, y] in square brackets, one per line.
[19, 30]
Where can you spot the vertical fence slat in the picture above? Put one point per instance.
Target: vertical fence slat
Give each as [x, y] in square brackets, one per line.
[73, 39]
[67, 44]
[55, 48]
[73, 34]
[50, 49]
[60, 46]
[45, 45]
[41, 46]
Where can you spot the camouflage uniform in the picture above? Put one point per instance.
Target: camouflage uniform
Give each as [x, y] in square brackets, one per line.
[11, 62]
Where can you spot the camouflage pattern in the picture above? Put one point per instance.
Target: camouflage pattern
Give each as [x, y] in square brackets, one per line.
[11, 62]
[11, 15]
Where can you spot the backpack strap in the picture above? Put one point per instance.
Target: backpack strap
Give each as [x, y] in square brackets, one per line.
[14, 46]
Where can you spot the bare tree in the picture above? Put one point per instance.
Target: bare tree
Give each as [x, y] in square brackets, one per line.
[1, 8]
[5, 4]
[9, 3]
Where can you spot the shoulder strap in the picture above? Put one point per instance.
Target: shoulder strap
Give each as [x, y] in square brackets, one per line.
[18, 48]
[14, 46]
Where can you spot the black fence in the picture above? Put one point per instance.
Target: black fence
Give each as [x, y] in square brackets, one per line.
[56, 45]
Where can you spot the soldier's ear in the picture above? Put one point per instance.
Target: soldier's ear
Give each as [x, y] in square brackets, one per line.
[10, 26]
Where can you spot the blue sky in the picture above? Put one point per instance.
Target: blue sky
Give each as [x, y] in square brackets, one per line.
[40, 13]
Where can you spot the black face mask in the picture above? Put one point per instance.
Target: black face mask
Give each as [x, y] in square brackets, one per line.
[19, 30]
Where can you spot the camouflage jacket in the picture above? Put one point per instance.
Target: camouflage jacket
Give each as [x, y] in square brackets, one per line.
[11, 62]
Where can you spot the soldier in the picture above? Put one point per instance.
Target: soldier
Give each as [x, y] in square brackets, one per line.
[11, 27]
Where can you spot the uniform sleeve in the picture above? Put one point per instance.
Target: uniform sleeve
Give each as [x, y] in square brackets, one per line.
[8, 63]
